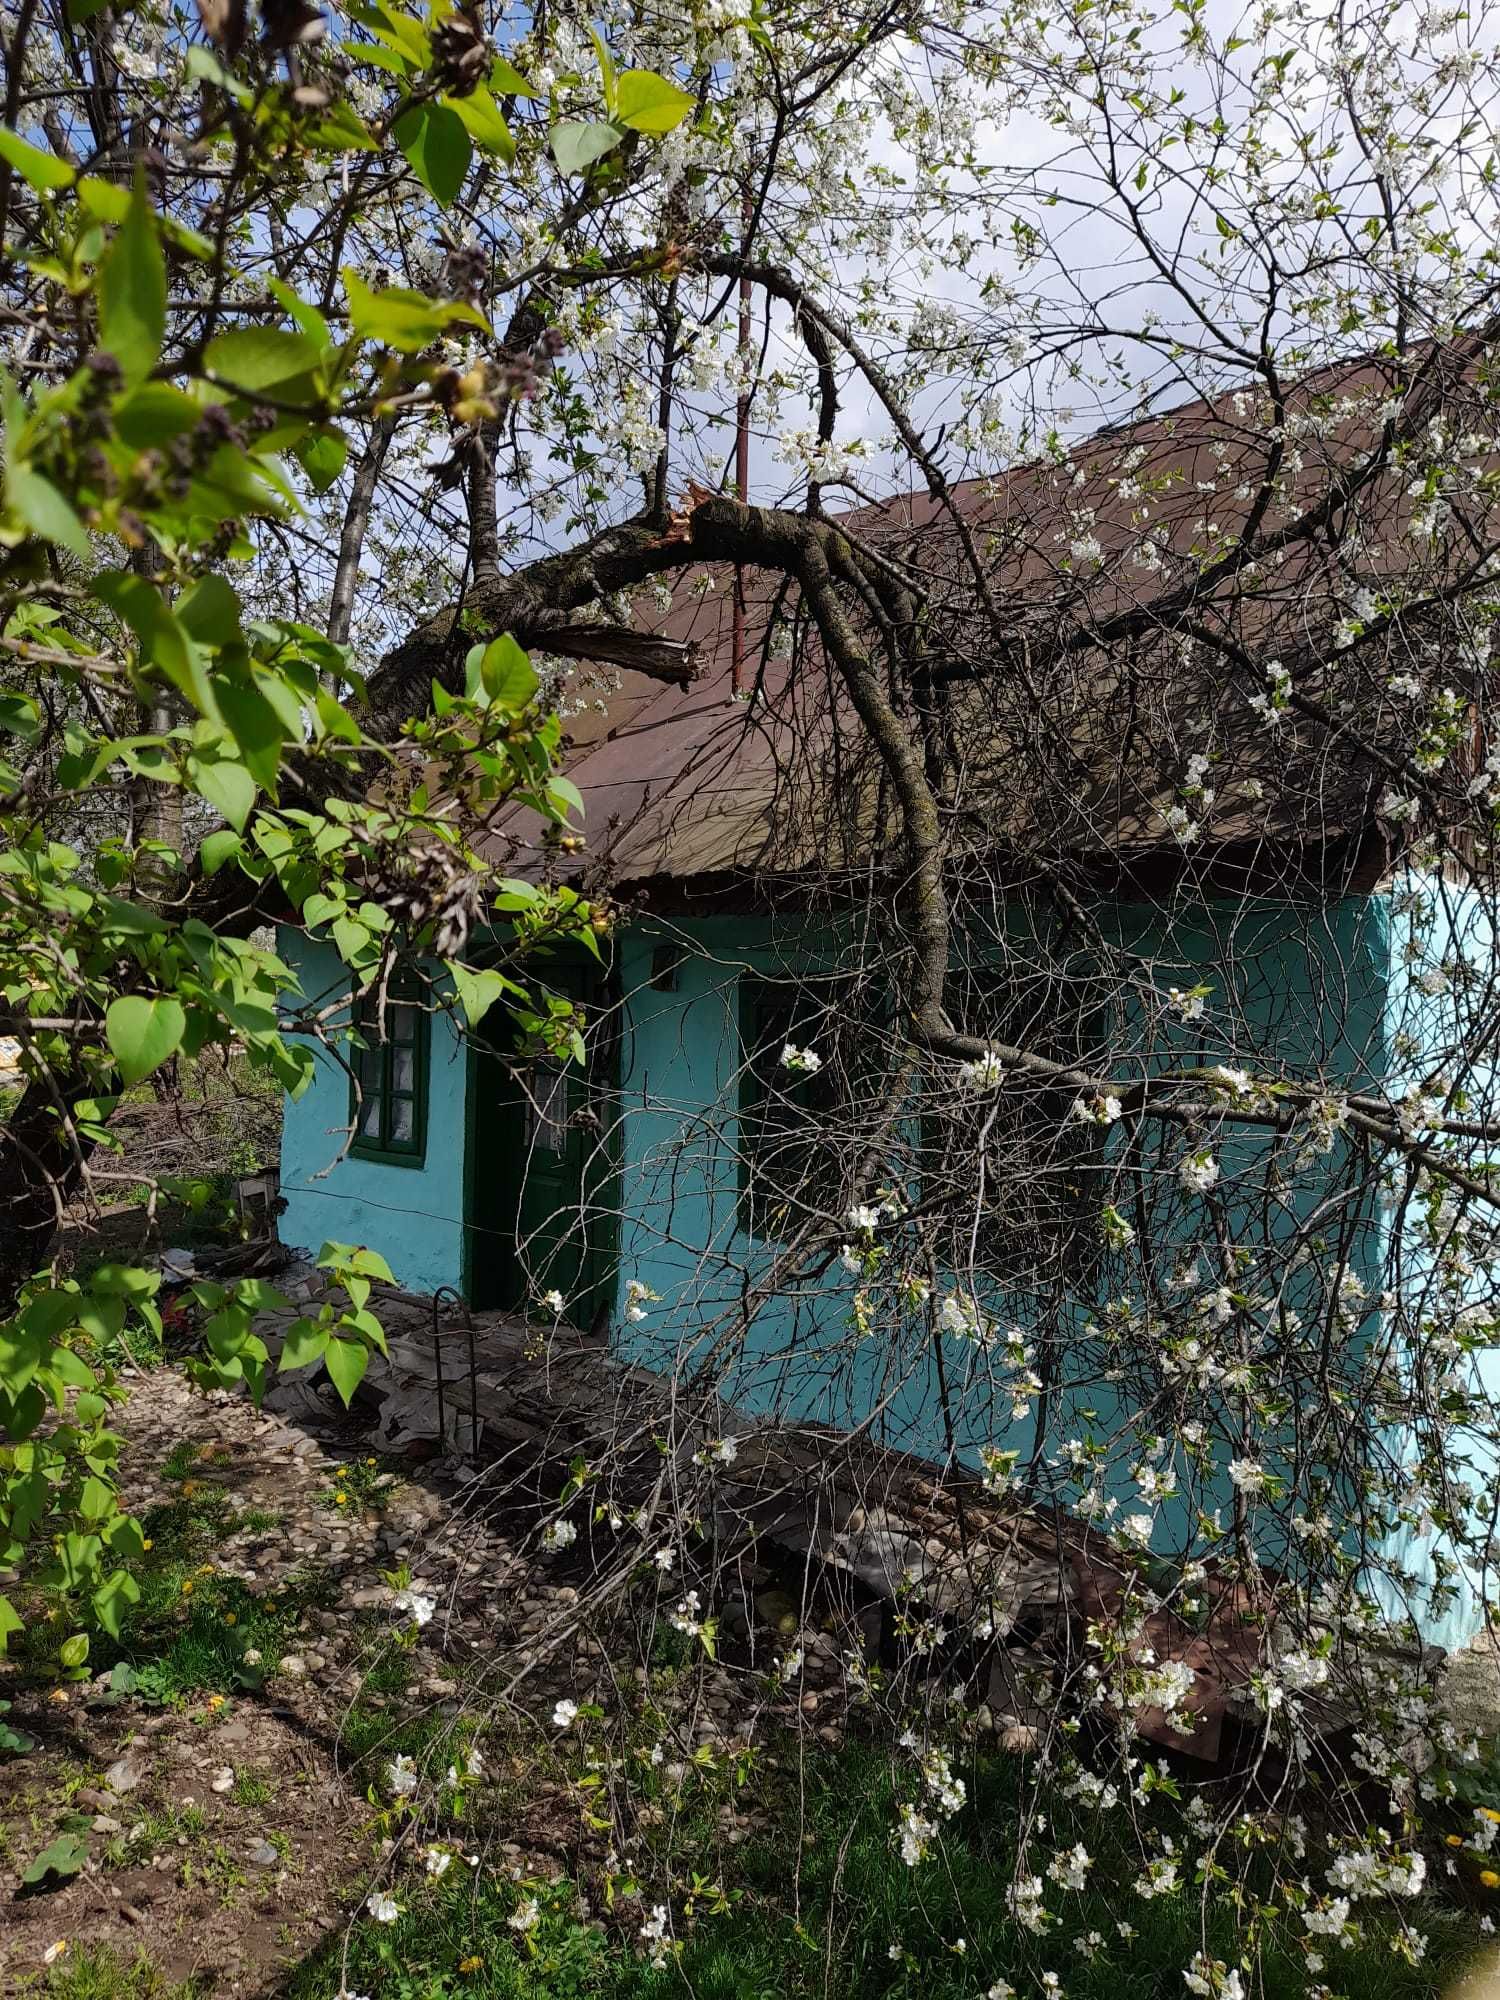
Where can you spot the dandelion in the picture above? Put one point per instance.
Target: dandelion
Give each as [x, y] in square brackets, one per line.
[383, 1908]
[565, 1714]
[470, 1965]
[1489, 1878]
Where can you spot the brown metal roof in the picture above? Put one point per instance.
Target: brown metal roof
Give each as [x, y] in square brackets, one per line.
[1064, 748]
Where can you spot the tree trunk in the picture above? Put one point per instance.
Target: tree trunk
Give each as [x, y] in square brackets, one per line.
[40, 1164]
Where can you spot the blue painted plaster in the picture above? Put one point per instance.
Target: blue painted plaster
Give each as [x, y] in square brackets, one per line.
[412, 1215]
[1320, 991]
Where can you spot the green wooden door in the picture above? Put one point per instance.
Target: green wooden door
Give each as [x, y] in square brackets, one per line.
[543, 1206]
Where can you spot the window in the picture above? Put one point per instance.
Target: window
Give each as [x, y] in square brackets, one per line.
[790, 1166]
[1017, 1182]
[388, 1096]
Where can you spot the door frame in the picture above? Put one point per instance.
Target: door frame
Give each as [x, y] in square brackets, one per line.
[604, 1255]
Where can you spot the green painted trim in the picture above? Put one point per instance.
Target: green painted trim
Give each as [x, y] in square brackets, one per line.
[384, 1152]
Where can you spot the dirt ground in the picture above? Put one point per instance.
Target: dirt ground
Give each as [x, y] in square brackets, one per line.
[219, 1825]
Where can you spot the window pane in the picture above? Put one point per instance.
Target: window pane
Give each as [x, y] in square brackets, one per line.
[547, 1109]
[369, 1118]
[401, 1023]
[372, 1069]
[403, 1121]
[403, 1069]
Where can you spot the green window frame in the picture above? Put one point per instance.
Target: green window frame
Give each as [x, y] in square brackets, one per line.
[388, 1080]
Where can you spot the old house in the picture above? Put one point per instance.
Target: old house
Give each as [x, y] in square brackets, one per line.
[1160, 857]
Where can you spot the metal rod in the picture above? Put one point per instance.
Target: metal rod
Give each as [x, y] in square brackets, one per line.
[451, 1292]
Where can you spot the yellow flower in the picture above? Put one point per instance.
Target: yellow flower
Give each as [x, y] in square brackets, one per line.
[370, 1461]
[214, 1701]
[230, 1619]
[1489, 1812]
[1489, 1878]
[187, 1587]
[341, 1499]
[473, 1963]
[342, 1473]
[205, 1569]
[146, 1542]
[55, 1951]
[1455, 1839]
[189, 1488]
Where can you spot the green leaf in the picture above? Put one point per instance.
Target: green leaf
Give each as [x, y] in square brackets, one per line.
[44, 170]
[210, 612]
[485, 123]
[646, 102]
[155, 413]
[322, 457]
[346, 1362]
[118, 1590]
[162, 637]
[506, 674]
[256, 729]
[218, 848]
[142, 1033]
[401, 319]
[43, 510]
[80, 11]
[477, 990]
[304, 1344]
[74, 1650]
[13, 1742]
[133, 292]
[227, 786]
[63, 1859]
[260, 357]
[507, 81]
[19, 715]
[578, 143]
[9, 1622]
[437, 149]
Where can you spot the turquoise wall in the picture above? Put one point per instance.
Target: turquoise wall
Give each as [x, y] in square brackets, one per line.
[1440, 1018]
[413, 1215]
[1309, 991]
[1333, 991]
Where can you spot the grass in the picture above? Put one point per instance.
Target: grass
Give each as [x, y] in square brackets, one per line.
[360, 1486]
[102, 1974]
[814, 1906]
[192, 1627]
